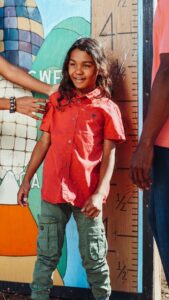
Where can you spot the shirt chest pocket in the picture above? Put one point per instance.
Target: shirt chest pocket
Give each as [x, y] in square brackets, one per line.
[90, 122]
[90, 130]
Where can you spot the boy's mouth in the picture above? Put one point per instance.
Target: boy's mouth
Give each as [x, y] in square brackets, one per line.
[78, 79]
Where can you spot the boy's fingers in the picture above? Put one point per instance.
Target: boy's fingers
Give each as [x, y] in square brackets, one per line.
[84, 207]
[91, 213]
[88, 209]
[25, 201]
[41, 100]
[94, 215]
[19, 196]
[20, 202]
[22, 198]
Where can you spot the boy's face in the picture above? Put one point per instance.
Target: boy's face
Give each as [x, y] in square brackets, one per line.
[82, 71]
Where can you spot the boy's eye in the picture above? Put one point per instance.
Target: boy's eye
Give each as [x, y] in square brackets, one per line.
[87, 66]
[71, 64]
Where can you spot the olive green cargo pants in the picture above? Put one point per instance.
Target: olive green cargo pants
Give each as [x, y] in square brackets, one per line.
[92, 246]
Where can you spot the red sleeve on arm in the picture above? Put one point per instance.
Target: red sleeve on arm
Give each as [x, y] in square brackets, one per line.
[113, 129]
[164, 28]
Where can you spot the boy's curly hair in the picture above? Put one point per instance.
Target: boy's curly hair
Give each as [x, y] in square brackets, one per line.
[95, 50]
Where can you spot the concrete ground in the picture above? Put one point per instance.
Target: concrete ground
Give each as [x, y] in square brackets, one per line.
[18, 297]
[164, 288]
[164, 293]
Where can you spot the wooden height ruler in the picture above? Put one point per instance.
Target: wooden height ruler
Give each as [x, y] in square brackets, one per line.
[115, 24]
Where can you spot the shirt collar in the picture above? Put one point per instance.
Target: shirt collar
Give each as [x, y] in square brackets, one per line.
[92, 95]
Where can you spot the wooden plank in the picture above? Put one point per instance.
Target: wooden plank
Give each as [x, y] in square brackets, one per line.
[114, 23]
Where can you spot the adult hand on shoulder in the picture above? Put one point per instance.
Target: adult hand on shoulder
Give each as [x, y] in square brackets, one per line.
[141, 166]
[22, 196]
[93, 206]
[30, 106]
[54, 88]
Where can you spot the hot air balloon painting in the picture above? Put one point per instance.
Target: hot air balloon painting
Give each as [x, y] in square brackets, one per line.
[21, 37]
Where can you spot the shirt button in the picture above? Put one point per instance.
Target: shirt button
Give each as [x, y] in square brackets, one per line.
[73, 119]
[69, 141]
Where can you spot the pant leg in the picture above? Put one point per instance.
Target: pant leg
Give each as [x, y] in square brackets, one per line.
[159, 205]
[52, 223]
[93, 249]
[107, 298]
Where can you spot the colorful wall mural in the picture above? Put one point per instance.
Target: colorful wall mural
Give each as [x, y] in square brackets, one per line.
[36, 34]
[36, 39]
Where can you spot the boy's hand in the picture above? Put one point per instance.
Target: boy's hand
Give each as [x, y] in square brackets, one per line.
[93, 206]
[22, 196]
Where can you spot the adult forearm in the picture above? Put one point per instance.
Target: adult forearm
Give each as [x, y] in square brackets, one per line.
[27, 81]
[4, 104]
[158, 111]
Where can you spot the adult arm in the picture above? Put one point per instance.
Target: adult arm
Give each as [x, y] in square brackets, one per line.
[21, 77]
[37, 157]
[26, 105]
[158, 113]
[93, 205]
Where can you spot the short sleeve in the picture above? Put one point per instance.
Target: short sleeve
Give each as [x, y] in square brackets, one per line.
[47, 118]
[113, 129]
[164, 26]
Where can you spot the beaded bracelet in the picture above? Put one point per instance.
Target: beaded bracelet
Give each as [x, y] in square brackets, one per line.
[12, 104]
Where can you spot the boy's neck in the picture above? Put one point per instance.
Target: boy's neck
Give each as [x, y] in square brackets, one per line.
[84, 92]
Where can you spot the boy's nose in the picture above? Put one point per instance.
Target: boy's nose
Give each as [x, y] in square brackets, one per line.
[79, 70]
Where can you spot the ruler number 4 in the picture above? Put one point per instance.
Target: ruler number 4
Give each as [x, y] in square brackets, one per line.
[107, 29]
[122, 3]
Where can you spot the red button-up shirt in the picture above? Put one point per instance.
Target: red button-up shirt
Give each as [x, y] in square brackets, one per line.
[72, 164]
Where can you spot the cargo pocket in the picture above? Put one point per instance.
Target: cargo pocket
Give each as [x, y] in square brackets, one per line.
[47, 243]
[97, 243]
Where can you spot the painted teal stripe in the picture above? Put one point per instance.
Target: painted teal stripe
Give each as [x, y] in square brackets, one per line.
[140, 243]
[140, 125]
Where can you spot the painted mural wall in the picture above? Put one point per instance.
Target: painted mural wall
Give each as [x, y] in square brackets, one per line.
[37, 39]
[36, 35]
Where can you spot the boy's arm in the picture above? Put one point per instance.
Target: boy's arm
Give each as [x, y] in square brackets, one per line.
[106, 169]
[93, 205]
[21, 77]
[37, 157]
